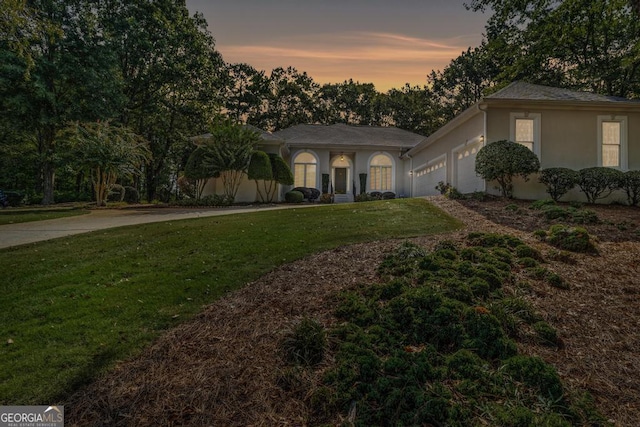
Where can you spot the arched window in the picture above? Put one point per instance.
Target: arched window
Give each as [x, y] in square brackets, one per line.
[381, 173]
[304, 170]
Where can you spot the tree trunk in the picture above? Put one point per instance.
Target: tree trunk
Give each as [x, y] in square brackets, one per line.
[48, 182]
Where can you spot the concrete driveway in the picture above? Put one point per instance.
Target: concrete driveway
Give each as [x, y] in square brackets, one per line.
[100, 219]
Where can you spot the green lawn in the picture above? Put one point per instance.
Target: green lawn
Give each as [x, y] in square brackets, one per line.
[13, 216]
[73, 306]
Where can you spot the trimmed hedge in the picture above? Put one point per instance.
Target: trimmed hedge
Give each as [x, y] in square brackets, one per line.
[630, 183]
[502, 160]
[599, 182]
[294, 197]
[558, 181]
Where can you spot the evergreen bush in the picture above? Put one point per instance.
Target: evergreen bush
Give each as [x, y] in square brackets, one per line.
[558, 181]
[501, 161]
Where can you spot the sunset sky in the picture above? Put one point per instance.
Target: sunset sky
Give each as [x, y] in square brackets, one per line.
[388, 43]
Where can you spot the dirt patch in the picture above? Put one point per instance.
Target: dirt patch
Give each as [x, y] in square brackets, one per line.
[223, 367]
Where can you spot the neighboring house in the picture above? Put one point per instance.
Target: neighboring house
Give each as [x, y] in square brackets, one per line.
[563, 128]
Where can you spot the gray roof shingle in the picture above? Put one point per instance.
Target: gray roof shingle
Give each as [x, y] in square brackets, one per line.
[342, 134]
[522, 91]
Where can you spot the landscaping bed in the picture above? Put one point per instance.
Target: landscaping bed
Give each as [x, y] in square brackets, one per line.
[613, 223]
[227, 366]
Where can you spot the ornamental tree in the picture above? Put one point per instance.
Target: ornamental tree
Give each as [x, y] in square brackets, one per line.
[599, 182]
[260, 170]
[502, 160]
[631, 185]
[228, 153]
[558, 181]
[281, 174]
[109, 153]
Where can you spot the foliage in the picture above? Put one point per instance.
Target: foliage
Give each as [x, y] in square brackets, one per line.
[503, 160]
[131, 195]
[116, 291]
[363, 183]
[306, 343]
[260, 169]
[582, 45]
[325, 183]
[574, 239]
[293, 197]
[630, 183]
[62, 58]
[388, 195]
[209, 200]
[558, 181]
[197, 171]
[228, 152]
[326, 198]
[109, 153]
[443, 187]
[431, 345]
[598, 182]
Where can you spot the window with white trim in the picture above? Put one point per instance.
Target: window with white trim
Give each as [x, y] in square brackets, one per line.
[525, 130]
[304, 170]
[381, 173]
[612, 141]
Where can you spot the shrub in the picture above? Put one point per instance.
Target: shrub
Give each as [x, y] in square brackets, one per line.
[558, 181]
[294, 197]
[305, 344]
[512, 208]
[364, 197]
[631, 185]
[599, 182]
[453, 194]
[375, 195]
[131, 195]
[540, 204]
[325, 183]
[308, 193]
[388, 195]
[502, 160]
[326, 198]
[535, 373]
[116, 194]
[546, 333]
[574, 239]
[528, 262]
[443, 187]
[526, 251]
[363, 183]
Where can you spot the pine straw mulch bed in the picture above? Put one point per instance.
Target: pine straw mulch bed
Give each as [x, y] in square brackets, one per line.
[222, 367]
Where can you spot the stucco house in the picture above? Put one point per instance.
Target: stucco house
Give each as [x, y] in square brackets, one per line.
[564, 128]
[344, 152]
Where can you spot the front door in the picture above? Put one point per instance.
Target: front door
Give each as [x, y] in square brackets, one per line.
[341, 180]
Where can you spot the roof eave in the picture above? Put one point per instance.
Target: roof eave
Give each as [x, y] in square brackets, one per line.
[466, 115]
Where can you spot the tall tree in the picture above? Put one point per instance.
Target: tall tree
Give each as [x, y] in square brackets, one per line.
[464, 81]
[171, 72]
[589, 45]
[64, 74]
[245, 91]
[348, 102]
[109, 153]
[290, 100]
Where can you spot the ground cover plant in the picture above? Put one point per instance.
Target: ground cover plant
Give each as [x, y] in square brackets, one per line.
[14, 216]
[607, 223]
[74, 306]
[435, 344]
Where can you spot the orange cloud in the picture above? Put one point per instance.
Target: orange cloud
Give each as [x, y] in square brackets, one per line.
[385, 59]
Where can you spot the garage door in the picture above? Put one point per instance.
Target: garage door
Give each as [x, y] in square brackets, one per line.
[466, 180]
[428, 177]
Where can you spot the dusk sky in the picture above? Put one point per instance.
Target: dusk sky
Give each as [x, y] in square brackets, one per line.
[388, 43]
